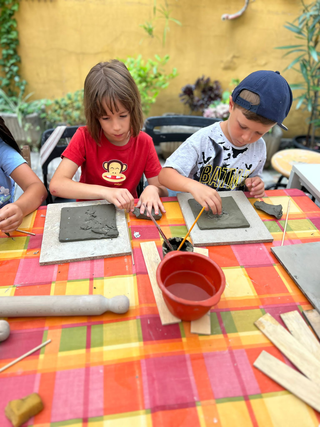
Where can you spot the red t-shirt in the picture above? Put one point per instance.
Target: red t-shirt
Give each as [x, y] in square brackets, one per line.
[112, 166]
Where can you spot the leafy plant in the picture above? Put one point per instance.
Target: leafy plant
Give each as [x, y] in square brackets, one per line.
[10, 80]
[201, 94]
[20, 105]
[165, 13]
[67, 110]
[220, 108]
[150, 77]
[306, 28]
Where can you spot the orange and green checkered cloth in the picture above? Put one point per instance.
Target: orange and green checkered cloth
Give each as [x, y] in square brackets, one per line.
[129, 370]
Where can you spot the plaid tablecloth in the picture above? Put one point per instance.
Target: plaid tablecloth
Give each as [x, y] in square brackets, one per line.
[129, 370]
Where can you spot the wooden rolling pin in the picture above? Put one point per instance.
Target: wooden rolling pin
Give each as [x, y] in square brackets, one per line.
[62, 305]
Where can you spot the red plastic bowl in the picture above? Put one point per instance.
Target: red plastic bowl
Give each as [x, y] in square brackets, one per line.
[191, 284]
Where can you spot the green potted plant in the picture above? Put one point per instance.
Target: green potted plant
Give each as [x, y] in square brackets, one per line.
[24, 118]
[306, 28]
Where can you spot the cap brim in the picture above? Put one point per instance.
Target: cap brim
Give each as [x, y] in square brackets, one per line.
[282, 126]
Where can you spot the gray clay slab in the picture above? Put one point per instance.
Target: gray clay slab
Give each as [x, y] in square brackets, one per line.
[302, 263]
[55, 252]
[138, 215]
[88, 223]
[231, 216]
[256, 233]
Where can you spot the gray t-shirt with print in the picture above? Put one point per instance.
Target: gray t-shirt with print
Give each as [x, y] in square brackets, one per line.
[209, 157]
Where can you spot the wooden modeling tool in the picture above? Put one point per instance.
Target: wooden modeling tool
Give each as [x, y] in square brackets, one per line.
[25, 232]
[181, 244]
[285, 225]
[161, 232]
[24, 355]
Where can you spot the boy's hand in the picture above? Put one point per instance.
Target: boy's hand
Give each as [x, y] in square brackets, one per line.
[206, 196]
[11, 217]
[150, 199]
[120, 197]
[255, 186]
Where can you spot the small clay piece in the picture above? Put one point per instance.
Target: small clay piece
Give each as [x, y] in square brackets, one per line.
[4, 330]
[144, 215]
[88, 223]
[231, 216]
[62, 305]
[175, 243]
[21, 410]
[274, 210]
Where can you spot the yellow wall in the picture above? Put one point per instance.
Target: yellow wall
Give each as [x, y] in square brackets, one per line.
[60, 40]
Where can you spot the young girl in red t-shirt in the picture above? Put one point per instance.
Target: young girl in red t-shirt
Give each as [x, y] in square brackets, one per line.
[111, 150]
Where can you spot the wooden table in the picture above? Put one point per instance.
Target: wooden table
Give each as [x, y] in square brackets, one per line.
[306, 175]
[129, 370]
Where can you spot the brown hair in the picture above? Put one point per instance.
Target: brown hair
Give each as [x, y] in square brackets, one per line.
[254, 99]
[109, 83]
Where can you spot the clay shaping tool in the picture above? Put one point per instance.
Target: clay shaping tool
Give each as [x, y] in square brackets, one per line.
[161, 232]
[25, 232]
[24, 355]
[62, 305]
[181, 244]
[285, 225]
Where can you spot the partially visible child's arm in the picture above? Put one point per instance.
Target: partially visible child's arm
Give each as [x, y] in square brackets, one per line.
[62, 185]
[206, 196]
[150, 197]
[256, 186]
[12, 214]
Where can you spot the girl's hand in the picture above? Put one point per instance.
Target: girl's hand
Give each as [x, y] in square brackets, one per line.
[150, 199]
[120, 197]
[255, 186]
[11, 217]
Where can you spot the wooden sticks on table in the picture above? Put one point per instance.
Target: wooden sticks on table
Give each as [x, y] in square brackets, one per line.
[285, 225]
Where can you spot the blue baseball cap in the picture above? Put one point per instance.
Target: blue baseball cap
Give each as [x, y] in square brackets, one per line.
[274, 92]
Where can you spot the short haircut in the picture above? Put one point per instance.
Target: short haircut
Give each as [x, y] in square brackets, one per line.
[108, 83]
[254, 99]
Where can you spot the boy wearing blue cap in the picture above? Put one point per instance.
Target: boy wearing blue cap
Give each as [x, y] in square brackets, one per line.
[230, 155]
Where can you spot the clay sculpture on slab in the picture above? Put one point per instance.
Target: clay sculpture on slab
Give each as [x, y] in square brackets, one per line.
[231, 216]
[21, 410]
[139, 215]
[4, 330]
[62, 305]
[88, 223]
[274, 210]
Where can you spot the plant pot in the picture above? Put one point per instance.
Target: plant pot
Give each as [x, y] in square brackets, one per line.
[29, 133]
[272, 140]
[191, 284]
[300, 142]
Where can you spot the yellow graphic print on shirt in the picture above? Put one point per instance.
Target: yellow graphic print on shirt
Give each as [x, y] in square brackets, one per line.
[223, 177]
[114, 170]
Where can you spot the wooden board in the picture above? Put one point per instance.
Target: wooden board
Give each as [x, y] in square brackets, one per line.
[302, 263]
[257, 232]
[290, 379]
[290, 347]
[313, 318]
[202, 325]
[300, 330]
[152, 259]
[55, 252]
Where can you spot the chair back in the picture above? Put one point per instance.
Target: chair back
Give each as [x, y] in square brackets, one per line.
[175, 135]
[56, 152]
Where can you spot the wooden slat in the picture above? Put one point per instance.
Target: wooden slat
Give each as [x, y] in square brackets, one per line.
[300, 330]
[290, 379]
[152, 259]
[202, 325]
[313, 318]
[290, 347]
